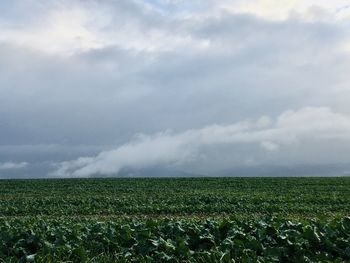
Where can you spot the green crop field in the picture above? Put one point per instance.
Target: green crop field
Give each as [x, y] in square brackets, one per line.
[175, 220]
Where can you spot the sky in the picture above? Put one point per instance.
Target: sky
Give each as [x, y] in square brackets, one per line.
[108, 88]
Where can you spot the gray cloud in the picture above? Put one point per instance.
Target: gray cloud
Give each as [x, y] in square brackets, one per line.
[12, 165]
[86, 76]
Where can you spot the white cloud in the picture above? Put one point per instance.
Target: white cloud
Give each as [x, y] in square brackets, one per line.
[70, 27]
[63, 29]
[269, 146]
[304, 126]
[12, 165]
[311, 10]
[346, 46]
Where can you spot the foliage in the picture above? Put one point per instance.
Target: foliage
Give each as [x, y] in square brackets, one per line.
[259, 240]
[202, 197]
[175, 220]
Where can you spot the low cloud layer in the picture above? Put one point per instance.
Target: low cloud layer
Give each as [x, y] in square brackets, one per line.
[303, 127]
[12, 165]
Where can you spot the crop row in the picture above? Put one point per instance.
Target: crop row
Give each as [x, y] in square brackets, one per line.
[260, 240]
[297, 197]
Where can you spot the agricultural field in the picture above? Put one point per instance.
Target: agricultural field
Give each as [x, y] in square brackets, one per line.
[175, 220]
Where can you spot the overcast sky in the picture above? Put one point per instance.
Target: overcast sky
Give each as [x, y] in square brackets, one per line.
[94, 87]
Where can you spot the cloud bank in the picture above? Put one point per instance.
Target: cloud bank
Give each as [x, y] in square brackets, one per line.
[291, 128]
[12, 165]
